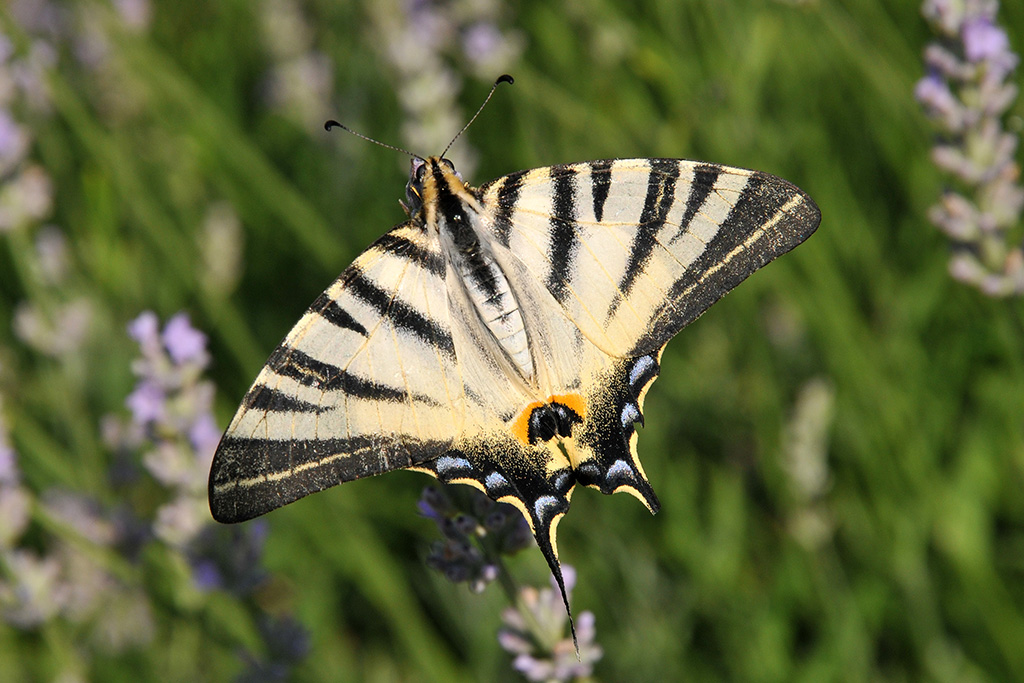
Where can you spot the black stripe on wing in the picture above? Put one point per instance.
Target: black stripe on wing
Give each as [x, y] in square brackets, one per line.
[600, 184]
[328, 308]
[401, 314]
[399, 245]
[268, 400]
[310, 372]
[508, 197]
[661, 189]
[564, 242]
[703, 184]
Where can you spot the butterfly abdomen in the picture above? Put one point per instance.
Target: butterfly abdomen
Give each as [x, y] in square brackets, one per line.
[457, 221]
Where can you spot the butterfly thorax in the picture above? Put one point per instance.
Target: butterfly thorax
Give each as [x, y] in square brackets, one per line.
[450, 207]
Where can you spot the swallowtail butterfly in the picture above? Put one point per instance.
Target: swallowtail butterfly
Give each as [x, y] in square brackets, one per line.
[504, 336]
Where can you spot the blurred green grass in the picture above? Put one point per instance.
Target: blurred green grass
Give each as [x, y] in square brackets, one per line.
[918, 573]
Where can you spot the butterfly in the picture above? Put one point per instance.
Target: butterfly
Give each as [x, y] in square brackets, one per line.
[504, 336]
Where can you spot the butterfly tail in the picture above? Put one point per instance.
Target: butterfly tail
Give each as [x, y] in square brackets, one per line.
[541, 499]
[544, 541]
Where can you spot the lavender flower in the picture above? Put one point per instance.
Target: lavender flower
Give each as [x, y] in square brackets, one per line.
[26, 192]
[65, 580]
[228, 557]
[14, 499]
[300, 83]
[172, 405]
[146, 403]
[172, 408]
[172, 421]
[184, 343]
[39, 18]
[136, 15]
[420, 42]
[14, 142]
[966, 93]
[535, 631]
[119, 615]
[476, 531]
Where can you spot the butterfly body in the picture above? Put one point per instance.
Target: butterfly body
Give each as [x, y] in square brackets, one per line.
[504, 336]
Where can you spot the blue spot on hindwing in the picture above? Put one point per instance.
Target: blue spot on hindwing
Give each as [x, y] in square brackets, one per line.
[447, 465]
[640, 368]
[618, 469]
[543, 505]
[495, 481]
[630, 414]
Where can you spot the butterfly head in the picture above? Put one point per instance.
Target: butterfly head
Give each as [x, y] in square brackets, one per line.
[424, 176]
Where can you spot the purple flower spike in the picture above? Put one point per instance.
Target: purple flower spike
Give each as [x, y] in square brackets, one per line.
[476, 532]
[13, 142]
[481, 41]
[983, 40]
[147, 402]
[206, 575]
[6, 48]
[534, 631]
[184, 343]
[8, 462]
[204, 435]
[933, 92]
[966, 93]
[145, 330]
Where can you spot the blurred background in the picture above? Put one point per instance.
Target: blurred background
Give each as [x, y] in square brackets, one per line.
[838, 445]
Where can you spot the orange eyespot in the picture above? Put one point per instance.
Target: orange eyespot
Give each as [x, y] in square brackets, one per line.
[543, 421]
[521, 424]
[574, 402]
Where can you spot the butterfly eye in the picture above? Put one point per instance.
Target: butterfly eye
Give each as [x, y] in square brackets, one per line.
[451, 167]
[419, 170]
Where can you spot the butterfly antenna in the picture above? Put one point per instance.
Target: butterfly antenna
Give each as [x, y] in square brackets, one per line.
[504, 78]
[334, 124]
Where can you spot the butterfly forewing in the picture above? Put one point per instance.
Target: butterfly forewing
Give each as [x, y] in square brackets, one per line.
[366, 382]
[649, 244]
